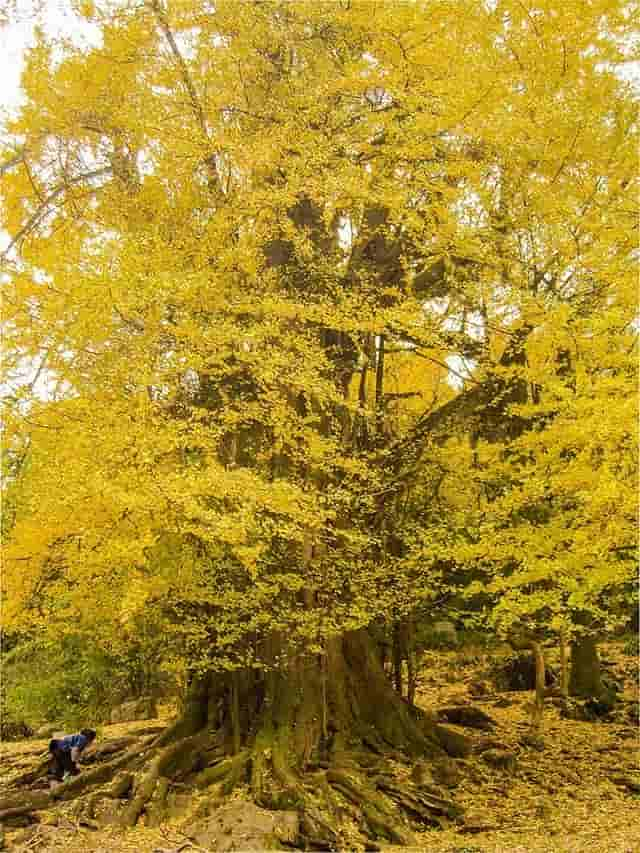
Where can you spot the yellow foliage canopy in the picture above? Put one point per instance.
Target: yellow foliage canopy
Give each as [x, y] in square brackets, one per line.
[251, 244]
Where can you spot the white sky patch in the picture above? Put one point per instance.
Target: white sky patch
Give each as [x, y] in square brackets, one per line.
[17, 36]
[187, 42]
[145, 162]
[346, 233]
[440, 305]
[460, 370]
[470, 210]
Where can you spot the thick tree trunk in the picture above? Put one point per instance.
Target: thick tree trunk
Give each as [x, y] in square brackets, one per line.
[335, 717]
[312, 710]
[585, 680]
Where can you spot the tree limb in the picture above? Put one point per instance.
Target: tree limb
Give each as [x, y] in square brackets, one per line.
[434, 425]
[35, 219]
[163, 23]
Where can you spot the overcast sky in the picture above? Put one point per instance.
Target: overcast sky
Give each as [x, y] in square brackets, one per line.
[16, 35]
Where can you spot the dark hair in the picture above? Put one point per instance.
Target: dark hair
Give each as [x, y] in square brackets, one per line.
[89, 734]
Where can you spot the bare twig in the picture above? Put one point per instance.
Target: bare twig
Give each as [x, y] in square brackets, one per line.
[163, 23]
[12, 162]
[35, 219]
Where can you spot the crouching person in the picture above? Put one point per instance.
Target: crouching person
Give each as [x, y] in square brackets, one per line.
[65, 752]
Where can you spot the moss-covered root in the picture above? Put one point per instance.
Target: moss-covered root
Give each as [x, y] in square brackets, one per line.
[380, 818]
[229, 772]
[17, 805]
[25, 802]
[425, 807]
[317, 832]
[163, 764]
[117, 789]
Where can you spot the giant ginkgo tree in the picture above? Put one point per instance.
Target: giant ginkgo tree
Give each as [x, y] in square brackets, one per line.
[255, 249]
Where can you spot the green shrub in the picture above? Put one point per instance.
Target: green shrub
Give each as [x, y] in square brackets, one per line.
[72, 682]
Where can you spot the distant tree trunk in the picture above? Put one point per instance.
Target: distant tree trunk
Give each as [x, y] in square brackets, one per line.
[540, 684]
[397, 657]
[564, 666]
[412, 676]
[585, 677]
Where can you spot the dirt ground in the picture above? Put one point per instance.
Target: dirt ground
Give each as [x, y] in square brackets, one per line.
[564, 794]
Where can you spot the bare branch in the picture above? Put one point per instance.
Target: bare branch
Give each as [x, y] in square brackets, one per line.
[12, 162]
[184, 71]
[35, 219]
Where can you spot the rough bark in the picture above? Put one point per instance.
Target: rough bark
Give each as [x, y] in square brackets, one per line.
[585, 680]
[564, 667]
[538, 655]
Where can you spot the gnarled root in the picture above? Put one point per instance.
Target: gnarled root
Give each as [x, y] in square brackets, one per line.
[425, 807]
[228, 771]
[23, 804]
[119, 788]
[163, 763]
[378, 815]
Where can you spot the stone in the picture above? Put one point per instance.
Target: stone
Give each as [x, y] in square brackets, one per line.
[468, 716]
[446, 772]
[49, 730]
[143, 708]
[453, 742]
[503, 759]
[479, 688]
[242, 825]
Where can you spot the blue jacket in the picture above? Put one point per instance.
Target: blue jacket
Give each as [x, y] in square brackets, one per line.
[69, 742]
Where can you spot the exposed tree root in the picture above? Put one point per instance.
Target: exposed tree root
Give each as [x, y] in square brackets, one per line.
[119, 788]
[111, 747]
[32, 775]
[23, 804]
[169, 760]
[379, 816]
[355, 787]
[426, 807]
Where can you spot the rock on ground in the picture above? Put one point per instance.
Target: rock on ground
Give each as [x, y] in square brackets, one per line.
[241, 825]
[138, 709]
